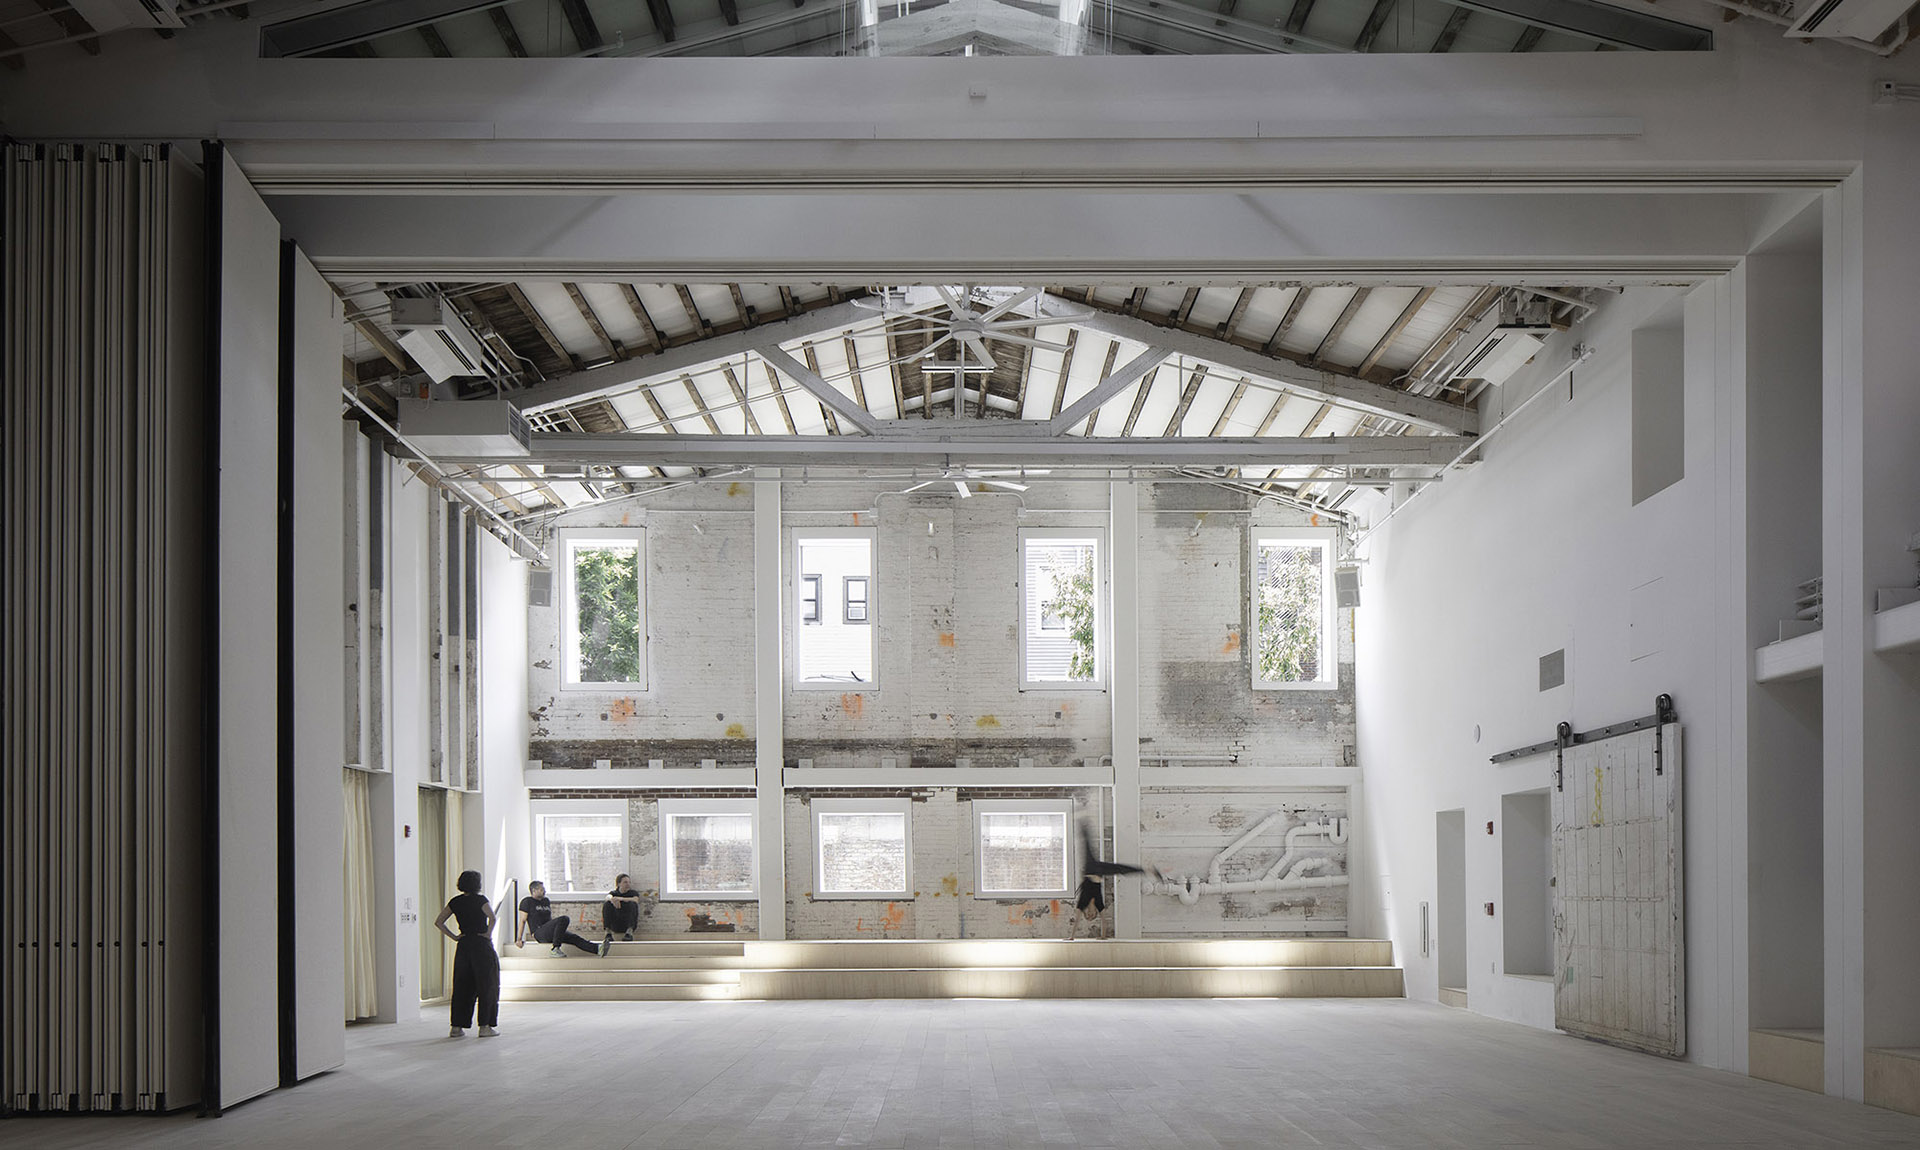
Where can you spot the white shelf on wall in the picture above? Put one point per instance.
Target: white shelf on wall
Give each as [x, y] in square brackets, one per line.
[544, 779]
[1797, 658]
[1897, 628]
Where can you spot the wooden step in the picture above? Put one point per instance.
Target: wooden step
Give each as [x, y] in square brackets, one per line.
[594, 975]
[616, 961]
[969, 953]
[617, 992]
[1077, 982]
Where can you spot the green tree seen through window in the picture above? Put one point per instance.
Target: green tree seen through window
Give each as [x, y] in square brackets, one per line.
[606, 589]
[1072, 601]
[1290, 613]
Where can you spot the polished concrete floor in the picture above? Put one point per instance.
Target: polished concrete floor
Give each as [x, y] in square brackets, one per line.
[1136, 1073]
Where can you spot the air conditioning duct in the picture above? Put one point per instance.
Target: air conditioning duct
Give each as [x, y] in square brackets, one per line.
[1859, 19]
[466, 427]
[1499, 343]
[438, 339]
[114, 15]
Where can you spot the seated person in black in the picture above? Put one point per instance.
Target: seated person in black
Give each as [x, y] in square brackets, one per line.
[621, 911]
[537, 919]
[476, 969]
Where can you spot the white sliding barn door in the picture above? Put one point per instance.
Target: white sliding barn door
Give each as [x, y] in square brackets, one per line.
[1618, 937]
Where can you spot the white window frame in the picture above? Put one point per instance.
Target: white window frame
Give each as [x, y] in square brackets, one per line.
[565, 539]
[1102, 612]
[982, 807]
[847, 600]
[542, 808]
[801, 535]
[903, 807]
[1327, 538]
[668, 809]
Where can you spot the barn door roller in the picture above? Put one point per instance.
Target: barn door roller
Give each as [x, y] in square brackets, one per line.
[1565, 736]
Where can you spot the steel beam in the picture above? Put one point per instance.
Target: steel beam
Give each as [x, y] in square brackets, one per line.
[1347, 390]
[1107, 388]
[929, 444]
[830, 397]
[1605, 23]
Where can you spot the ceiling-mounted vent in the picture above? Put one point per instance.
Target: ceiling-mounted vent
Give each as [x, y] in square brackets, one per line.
[113, 15]
[438, 339]
[1857, 19]
[465, 427]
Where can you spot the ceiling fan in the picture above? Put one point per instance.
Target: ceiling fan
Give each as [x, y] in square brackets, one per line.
[970, 329]
[961, 477]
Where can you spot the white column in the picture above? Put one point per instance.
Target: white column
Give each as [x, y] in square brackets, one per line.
[1123, 688]
[769, 748]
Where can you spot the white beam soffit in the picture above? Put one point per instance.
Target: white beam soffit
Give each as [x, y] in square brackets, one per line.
[1331, 386]
[893, 446]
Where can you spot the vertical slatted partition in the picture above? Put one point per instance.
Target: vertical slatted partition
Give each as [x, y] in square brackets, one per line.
[99, 573]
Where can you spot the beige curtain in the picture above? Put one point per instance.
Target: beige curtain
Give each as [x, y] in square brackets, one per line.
[363, 999]
[456, 848]
[435, 890]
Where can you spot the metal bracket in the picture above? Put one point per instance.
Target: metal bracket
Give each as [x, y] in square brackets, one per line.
[1565, 736]
[1663, 713]
[1562, 739]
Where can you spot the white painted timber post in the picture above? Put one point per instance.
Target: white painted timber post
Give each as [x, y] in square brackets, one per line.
[1123, 688]
[769, 747]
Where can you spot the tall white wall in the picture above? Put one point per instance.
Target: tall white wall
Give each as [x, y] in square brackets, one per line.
[402, 901]
[498, 845]
[1540, 548]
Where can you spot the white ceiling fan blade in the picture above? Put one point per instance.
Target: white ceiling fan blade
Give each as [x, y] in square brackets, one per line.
[956, 303]
[1029, 341]
[918, 486]
[965, 492]
[1006, 306]
[928, 350]
[979, 349]
[1008, 484]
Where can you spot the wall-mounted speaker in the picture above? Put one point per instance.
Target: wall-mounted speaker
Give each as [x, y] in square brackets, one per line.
[1346, 587]
[540, 587]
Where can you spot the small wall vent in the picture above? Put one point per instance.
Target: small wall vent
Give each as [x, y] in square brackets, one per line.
[1553, 669]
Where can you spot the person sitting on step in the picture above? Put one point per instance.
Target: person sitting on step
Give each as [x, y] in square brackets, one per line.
[537, 919]
[621, 911]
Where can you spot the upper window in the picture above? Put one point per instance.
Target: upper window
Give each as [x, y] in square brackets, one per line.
[861, 847]
[706, 849]
[1023, 848]
[833, 647]
[579, 845]
[1292, 609]
[1062, 622]
[603, 607]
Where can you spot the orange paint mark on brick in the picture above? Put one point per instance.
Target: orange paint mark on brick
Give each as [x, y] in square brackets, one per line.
[856, 519]
[734, 489]
[986, 722]
[946, 638]
[622, 710]
[1055, 904]
[852, 704]
[1233, 643]
[950, 884]
[896, 917]
[736, 730]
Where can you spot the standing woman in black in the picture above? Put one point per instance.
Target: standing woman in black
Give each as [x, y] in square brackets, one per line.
[476, 968]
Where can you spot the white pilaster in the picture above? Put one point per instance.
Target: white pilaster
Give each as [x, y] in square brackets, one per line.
[768, 706]
[1123, 687]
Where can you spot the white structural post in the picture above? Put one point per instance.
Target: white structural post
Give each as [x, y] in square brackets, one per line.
[769, 751]
[1123, 687]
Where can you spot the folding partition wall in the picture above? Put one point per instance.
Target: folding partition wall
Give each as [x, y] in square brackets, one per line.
[100, 939]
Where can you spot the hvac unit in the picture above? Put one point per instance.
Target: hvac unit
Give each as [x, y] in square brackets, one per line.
[1500, 343]
[438, 339]
[465, 427]
[1859, 19]
[113, 15]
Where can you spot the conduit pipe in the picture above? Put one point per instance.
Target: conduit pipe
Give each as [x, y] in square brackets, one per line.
[1290, 872]
[1189, 889]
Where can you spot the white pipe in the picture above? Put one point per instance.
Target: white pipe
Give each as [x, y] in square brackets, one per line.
[1335, 831]
[1188, 890]
[1237, 845]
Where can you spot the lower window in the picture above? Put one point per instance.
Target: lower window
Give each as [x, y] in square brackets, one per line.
[861, 847]
[1023, 848]
[707, 849]
[579, 845]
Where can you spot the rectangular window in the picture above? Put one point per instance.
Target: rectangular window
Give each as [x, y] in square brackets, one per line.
[603, 608]
[853, 599]
[1292, 609]
[833, 649]
[706, 849]
[861, 847]
[1023, 848]
[809, 598]
[579, 845]
[1062, 620]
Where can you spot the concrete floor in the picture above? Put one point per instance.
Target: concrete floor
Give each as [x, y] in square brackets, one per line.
[1138, 1073]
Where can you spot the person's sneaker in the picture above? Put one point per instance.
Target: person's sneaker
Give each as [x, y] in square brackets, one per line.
[606, 947]
[489, 1032]
[558, 953]
[627, 937]
[457, 1032]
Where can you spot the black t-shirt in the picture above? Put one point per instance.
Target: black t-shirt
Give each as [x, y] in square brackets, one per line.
[539, 911]
[470, 911]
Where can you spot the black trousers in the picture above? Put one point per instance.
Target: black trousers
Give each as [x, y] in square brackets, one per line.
[476, 975]
[620, 917]
[554, 932]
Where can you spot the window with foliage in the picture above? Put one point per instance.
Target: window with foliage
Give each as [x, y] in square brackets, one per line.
[833, 649]
[861, 847]
[604, 608]
[1060, 623]
[579, 845]
[706, 849]
[1023, 848]
[1293, 620]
